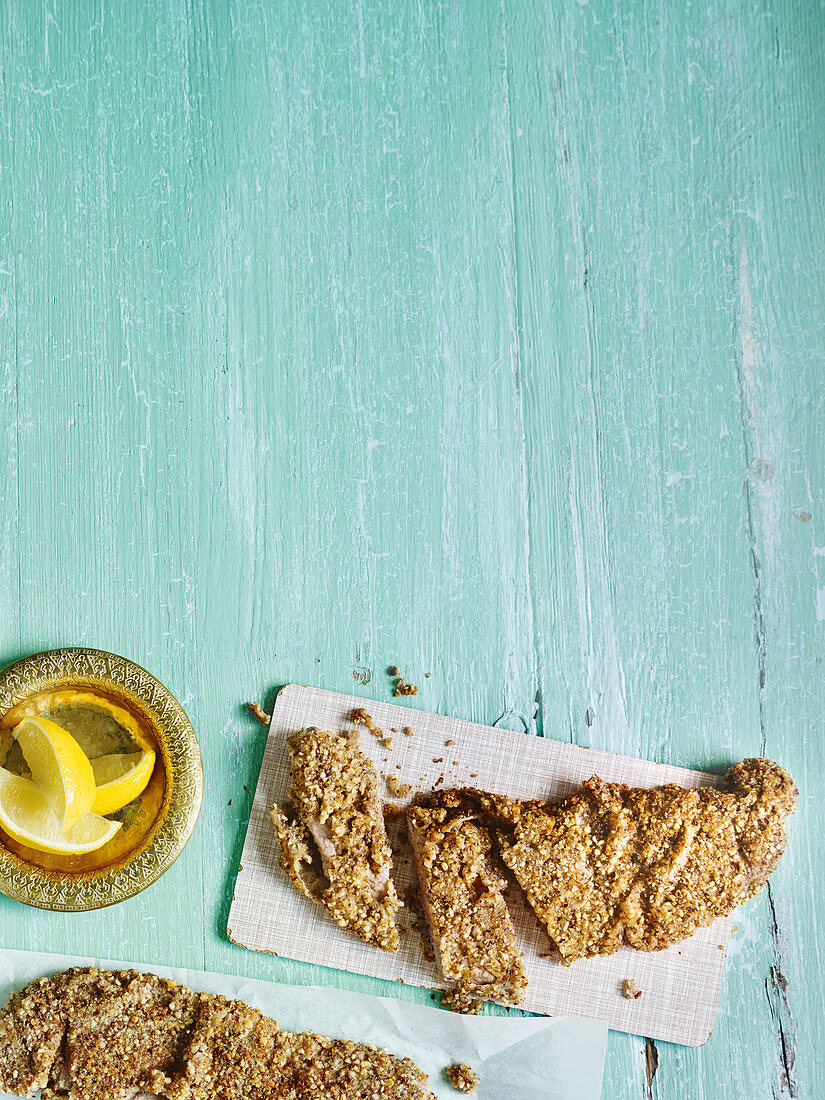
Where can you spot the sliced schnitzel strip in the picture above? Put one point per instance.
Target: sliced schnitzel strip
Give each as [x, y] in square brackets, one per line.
[338, 815]
[613, 865]
[121, 1035]
[461, 892]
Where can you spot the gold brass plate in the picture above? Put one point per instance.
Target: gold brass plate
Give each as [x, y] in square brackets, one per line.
[156, 827]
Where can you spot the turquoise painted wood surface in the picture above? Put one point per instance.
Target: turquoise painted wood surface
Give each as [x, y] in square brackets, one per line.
[482, 338]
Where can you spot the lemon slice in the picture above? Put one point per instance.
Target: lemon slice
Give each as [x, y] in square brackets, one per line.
[59, 766]
[120, 778]
[29, 819]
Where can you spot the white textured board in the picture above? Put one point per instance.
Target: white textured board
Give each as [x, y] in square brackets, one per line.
[680, 987]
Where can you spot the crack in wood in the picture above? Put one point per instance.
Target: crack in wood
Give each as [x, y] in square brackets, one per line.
[651, 1065]
[776, 990]
[756, 565]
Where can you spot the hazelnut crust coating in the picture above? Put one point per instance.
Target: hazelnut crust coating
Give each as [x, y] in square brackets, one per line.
[462, 895]
[335, 796]
[107, 1035]
[613, 865]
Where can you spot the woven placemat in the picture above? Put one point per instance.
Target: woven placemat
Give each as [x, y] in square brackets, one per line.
[680, 987]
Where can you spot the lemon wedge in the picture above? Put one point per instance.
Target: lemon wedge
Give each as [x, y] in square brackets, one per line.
[120, 778]
[59, 766]
[29, 819]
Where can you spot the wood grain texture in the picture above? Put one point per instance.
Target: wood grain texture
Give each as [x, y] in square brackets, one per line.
[482, 338]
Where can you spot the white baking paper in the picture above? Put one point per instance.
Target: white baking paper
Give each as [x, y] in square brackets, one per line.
[544, 1058]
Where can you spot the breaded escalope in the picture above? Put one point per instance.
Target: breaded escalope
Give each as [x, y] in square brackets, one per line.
[122, 1035]
[461, 892]
[613, 865]
[337, 809]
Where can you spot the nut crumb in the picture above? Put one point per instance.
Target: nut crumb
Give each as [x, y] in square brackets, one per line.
[409, 731]
[259, 713]
[449, 742]
[403, 688]
[360, 716]
[630, 990]
[386, 742]
[462, 1077]
[396, 788]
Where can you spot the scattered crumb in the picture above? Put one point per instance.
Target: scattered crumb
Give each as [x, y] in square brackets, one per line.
[260, 714]
[393, 729]
[428, 675]
[735, 928]
[547, 954]
[246, 789]
[360, 716]
[403, 688]
[462, 1077]
[229, 803]
[393, 670]
[439, 780]
[386, 742]
[721, 947]
[396, 788]
[438, 760]
[409, 731]
[630, 990]
[450, 742]
[458, 1001]
[473, 775]
[455, 762]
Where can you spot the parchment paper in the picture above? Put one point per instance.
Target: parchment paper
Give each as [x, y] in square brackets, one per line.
[533, 1059]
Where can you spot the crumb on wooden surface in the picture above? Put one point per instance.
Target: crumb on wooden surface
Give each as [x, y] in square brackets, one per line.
[404, 688]
[462, 1077]
[259, 713]
[630, 990]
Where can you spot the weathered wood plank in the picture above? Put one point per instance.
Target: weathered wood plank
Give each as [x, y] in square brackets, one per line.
[634, 195]
[481, 339]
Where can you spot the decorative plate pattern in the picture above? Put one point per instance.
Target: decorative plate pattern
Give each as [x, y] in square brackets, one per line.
[92, 668]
